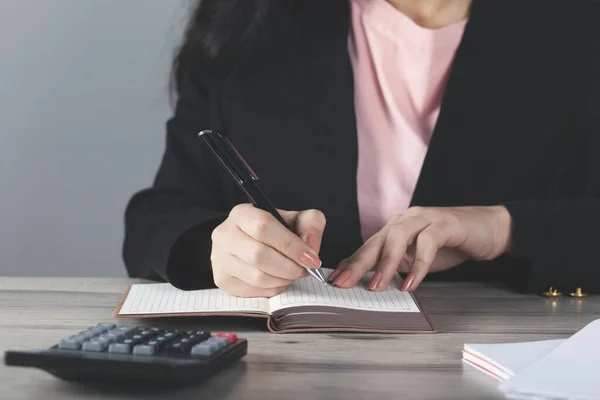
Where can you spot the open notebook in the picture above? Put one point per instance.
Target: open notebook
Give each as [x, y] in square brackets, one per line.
[306, 305]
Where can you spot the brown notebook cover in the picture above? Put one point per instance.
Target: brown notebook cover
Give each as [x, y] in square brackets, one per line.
[307, 306]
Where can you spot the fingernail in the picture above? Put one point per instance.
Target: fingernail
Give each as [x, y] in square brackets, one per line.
[310, 260]
[342, 278]
[314, 241]
[375, 281]
[334, 274]
[408, 282]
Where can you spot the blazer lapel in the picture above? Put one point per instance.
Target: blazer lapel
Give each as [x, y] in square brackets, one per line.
[467, 132]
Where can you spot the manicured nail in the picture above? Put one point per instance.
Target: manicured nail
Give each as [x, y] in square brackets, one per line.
[310, 260]
[314, 241]
[406, 285]
[375, 281]
[342, 278]
[334, 274]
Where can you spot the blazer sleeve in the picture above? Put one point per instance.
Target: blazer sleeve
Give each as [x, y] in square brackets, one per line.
[561, 238]
[168, 225]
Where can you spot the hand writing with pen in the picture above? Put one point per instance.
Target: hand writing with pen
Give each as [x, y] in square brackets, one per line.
[254, 255]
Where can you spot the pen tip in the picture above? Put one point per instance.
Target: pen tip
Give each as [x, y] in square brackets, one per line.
[318, 274]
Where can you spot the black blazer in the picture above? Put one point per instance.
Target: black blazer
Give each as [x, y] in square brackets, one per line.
[519, 126]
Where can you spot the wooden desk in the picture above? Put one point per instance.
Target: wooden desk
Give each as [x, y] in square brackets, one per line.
[37, 312]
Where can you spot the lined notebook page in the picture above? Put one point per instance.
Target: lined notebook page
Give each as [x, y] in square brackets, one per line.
[309, 292]
[162, 298]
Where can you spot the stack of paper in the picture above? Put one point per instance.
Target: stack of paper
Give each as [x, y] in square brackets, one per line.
[503, 361]
[551, 369]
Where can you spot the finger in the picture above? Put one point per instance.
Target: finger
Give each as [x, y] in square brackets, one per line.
[404, 266]
[407, 260]
[342, 264]
[428, 242]
[265, 228]
[252, 275]
[290, 217]
[364, 260]
[310, 225]
[231, 240]
[268, 260]
[398, 238]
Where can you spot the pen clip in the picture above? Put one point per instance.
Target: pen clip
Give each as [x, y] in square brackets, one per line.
[229, 156]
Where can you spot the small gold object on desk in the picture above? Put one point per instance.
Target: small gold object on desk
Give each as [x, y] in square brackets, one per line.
[577, 293]
[552, 292]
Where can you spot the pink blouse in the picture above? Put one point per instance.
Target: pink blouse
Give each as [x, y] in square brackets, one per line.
[400, 71]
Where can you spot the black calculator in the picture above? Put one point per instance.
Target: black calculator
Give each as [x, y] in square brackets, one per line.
[131, 353]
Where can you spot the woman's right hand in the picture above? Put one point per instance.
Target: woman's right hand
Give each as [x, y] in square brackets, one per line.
[254, 255]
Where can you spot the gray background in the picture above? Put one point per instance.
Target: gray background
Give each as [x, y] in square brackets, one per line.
[83, 104]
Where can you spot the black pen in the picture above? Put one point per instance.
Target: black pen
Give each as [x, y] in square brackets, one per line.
[245, 178]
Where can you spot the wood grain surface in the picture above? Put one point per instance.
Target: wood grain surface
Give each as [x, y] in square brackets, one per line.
[38, 312]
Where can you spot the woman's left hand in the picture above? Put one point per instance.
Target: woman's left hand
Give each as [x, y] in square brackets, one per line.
[426, 240]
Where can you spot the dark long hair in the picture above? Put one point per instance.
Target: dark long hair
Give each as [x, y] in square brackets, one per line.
[223, 35]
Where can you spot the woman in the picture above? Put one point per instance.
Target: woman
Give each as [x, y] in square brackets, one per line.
[453, 139]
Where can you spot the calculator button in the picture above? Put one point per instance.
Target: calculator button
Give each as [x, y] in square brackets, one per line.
[221, 342]
[135, 340]
[70, 344]
[144, 349]
[99, 329]
[204, 349]
[232, 337]
[146, 334]
[96, 331]
[162, 340]
[214, 340]
[199, 337]
[158, 343]
[114, 334]
[106, 337]
[85, 335]
[165, 338]
[122, 348]
[210, 346]
[177, 348]
[201, 334]
[95, 345]
[171, 335]
[125, 329]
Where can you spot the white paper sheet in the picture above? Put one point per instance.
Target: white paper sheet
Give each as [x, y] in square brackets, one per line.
[570, 371]
[509, 358]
